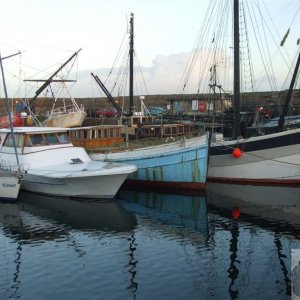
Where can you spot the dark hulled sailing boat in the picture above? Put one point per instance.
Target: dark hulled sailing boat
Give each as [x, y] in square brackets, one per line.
[272, 159]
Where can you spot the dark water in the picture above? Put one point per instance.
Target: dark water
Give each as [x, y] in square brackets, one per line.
[231, 243]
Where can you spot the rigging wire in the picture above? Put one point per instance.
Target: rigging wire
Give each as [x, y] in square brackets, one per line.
[122, 70]
[119, 53]
[246, 56]
[194, 53]
[207, 52]
[286, 57]
[262, 45]
[141, 76]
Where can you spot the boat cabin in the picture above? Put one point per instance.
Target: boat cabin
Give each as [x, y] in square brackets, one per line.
[32, 138]
[165, 130]
[96, 136]
[103, 136]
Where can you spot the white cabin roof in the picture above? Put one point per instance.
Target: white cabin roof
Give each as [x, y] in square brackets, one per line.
[31, 129]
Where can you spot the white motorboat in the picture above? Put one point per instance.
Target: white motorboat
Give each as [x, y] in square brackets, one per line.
[10, 182]
[55, 167]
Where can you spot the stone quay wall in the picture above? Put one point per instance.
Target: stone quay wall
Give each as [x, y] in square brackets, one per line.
[248, 100]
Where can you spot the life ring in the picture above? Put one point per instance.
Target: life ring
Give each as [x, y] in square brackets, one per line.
[170, 139]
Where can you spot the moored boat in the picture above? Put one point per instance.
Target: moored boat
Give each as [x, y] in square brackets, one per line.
[66, 116]
[10, 183]
[171, 155]
[65, 112]
[270, 159]
[10, 180]
[179, 164]
[56, 167]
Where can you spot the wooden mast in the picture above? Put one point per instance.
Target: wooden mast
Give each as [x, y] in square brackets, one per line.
[236, 76]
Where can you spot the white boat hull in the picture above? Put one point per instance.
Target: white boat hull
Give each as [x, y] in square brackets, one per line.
[72, 119]
[270, 160]
[80, 187]
[9, 187]
[89, 179]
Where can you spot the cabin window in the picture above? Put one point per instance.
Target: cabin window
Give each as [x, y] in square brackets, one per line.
[45, 139]
[9, 140]
[156, 132]
[77, 135]
[99, 133]
[37, 139]
[27, 141]
[111, 133]
[63, 138]
[85, 135]
[51, 139]
[180, 129]
[186, 128]
[135, 121]
[105, 133]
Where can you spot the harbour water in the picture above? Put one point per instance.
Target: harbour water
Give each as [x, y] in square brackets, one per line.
[233, 242]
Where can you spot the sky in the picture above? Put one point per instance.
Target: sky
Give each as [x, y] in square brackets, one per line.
[47, 32]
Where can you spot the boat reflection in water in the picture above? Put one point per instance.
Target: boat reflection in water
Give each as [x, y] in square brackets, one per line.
[186, 213]
[58, 229]
[38, 217]
[104, 214]
[234, 242]
[276, 208]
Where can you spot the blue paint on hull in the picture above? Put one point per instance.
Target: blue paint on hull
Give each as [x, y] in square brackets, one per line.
[184, 165]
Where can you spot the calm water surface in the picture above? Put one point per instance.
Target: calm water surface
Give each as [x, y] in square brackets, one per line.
[234, 242]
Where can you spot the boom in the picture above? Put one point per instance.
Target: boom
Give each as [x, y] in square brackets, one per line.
[50, 79]
[108, 94]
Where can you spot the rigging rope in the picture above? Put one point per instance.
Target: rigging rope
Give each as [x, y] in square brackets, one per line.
[255, 155]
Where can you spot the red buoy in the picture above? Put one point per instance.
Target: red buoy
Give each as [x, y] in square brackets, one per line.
[236, 213]
[237, 152]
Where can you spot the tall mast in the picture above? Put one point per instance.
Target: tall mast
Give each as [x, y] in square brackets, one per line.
[288, 97]
[131, 66]
[236, 76]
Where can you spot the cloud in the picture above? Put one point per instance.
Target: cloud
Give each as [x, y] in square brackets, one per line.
[166, 75]
[162, 77]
